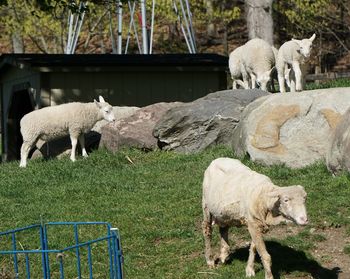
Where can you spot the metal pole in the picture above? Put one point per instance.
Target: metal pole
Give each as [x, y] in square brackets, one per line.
[181, 26]
[144, 26]
[152, 27]
[70, 30]
[114, 48]
[191, 24]
[187, 26]
[79, 24]
[120, 25]
[132, 12]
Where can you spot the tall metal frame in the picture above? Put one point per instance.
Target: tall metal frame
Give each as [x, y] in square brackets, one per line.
[145, 46]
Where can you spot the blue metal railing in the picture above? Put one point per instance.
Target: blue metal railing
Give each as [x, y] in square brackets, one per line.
[111, 239]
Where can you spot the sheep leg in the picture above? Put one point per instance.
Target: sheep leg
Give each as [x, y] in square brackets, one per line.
[256, 235]
[82, 145]
[297, 73]
[234, 83]
[245, 77]
[253, 80]
[25, 148]
[225, 247]
[280, 66]
[249, 270]
[74, 142]
[207, 233]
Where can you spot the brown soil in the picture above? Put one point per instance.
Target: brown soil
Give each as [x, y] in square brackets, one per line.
[329, 253]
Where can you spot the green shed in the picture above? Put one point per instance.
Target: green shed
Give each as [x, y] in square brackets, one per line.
[31, 81]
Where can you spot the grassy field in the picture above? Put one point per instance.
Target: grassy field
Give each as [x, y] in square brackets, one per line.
[156, 203]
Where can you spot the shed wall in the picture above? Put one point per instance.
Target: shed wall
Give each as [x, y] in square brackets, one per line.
[136, 88]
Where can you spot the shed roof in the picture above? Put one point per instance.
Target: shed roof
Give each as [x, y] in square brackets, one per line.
[38, 61]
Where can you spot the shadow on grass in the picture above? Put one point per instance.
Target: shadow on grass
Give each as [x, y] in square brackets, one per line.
[286, 259]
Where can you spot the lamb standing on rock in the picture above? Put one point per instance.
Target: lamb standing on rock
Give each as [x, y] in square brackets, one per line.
[73, 119]
[258, 60]
[292, 54]
[234, 195]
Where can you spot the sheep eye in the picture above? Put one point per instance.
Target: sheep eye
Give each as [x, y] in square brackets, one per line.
[286, 200]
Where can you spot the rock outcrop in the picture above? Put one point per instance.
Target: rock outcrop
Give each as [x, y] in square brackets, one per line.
[205, 122]
[338, 153]
[292, 129]
[135, 130]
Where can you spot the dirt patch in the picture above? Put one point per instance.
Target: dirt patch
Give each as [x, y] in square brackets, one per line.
[328, 251]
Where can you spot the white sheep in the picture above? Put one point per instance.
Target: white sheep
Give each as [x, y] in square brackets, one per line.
[237, 69]
[234, 195]
[73, 119]
[292, 54]
[258, 60]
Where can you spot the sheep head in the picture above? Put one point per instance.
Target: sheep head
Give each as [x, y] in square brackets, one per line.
[105, 109]
[263, 79]
[305, 45]
[291, 203]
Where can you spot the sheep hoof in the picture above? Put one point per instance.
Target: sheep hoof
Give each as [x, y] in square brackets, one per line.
[211, 263]
[22, 165]
[249, 272]
[224, 258]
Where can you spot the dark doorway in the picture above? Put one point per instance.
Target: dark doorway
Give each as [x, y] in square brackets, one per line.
[20, 104]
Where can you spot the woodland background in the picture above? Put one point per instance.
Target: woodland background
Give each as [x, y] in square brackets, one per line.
[40, 26]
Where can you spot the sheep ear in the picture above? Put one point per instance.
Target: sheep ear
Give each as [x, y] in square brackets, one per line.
[273, 197]
[312, 38]
[276, 193]
[97, 104]
[100, 98]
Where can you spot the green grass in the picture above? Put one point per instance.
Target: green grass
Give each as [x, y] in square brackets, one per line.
[156, 204]
[347, 249]
[340, 82]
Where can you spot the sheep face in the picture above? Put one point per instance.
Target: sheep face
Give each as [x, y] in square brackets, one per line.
[292, 204]
[305, 46]
[105, 109]
[264, 79]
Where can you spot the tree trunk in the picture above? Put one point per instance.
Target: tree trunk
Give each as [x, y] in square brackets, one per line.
[17, 43]
[259, 19]
[211, 27]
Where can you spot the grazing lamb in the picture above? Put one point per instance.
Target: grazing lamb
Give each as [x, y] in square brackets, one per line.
[73, 119]
[234, 195]
[237, 70]
[292, 54]
[258, 60]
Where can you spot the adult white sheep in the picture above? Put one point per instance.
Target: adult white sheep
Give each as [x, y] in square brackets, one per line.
[292, 54]
[73, 119]
[234, 195]
[258, 60]
[237, 69]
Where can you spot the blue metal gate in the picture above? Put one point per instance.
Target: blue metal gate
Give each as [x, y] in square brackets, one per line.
[99, 257]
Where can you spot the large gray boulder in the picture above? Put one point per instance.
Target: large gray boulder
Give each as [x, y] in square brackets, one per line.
[338, 153]
[135, 130]
[205, 122]
[292, 128]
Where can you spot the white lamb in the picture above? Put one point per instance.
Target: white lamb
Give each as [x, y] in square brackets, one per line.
[237, 69]
[292, 54]
[234, 195]
[73, 119]
[258, 60]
